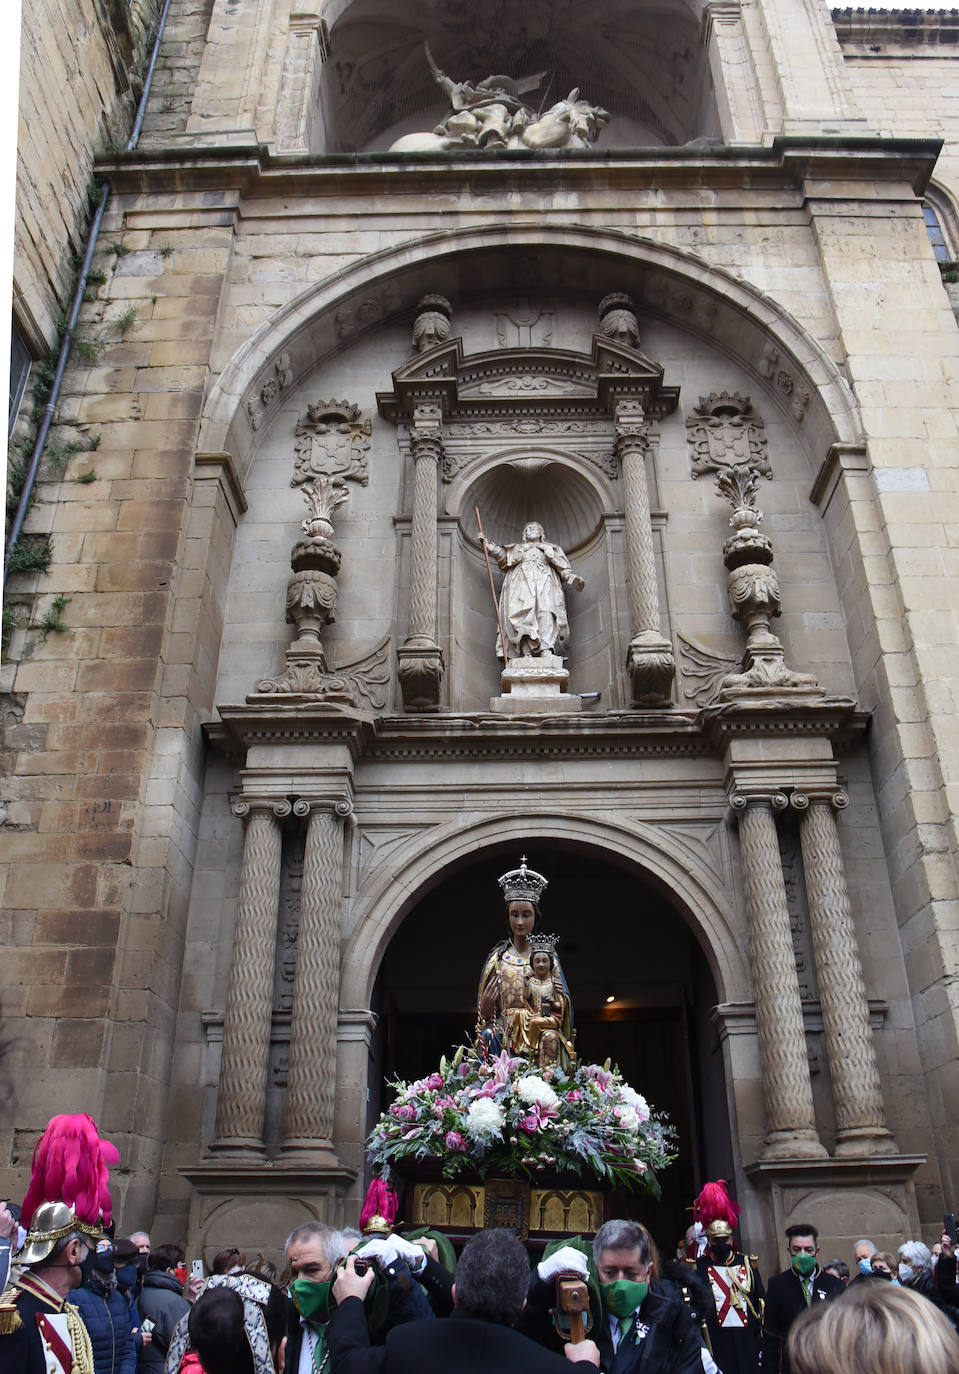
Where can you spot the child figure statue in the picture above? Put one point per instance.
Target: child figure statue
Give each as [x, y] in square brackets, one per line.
[550, 1012]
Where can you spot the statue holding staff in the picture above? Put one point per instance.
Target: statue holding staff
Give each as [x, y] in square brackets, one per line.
[532, 605]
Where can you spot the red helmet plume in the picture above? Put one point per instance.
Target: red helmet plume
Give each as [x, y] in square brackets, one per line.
[715, 1204]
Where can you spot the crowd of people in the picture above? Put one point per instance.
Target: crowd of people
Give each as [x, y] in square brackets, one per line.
[81, 1300]
[349, 1303]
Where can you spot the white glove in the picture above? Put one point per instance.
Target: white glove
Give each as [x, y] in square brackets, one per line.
[389, 1250]
[563, 1261]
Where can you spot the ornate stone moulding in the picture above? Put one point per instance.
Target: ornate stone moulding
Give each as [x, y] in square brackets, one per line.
[538, 383]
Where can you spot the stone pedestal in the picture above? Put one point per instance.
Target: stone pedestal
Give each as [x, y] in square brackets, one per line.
[536, 686]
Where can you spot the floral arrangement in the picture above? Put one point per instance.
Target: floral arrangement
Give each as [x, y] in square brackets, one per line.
[502, 1116]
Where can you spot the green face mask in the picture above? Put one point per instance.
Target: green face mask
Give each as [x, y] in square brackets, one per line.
[804, 1264]
[624, 1296]
[312, 1300]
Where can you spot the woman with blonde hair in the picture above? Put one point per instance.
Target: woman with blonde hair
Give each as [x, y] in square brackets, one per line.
[879, 1327]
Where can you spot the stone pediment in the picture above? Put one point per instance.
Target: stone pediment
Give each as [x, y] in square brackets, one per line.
[535, 382]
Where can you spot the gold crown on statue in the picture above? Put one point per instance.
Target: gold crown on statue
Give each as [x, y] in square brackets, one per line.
[542, 944]
[522, 884]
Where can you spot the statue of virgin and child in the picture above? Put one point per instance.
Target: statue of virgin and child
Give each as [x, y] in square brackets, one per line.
[523, 1003]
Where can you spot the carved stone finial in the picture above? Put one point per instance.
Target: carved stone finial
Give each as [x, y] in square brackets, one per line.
[753, 589]
[617, 318]
[323, 496]
[433, 322]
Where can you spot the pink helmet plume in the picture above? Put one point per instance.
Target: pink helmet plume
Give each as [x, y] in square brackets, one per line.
[715, 1204]
[71, 1165]
[380, 1201]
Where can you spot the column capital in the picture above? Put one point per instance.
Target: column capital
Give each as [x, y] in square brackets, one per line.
[340, 805]
[758, 795]
[835, 797]
[246, 806]
[632, 428]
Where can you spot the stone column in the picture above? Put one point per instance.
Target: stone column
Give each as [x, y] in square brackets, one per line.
[649, 659]
[420, 657]
[241, 1097]
[311, 1091]
[857, 1090]
[787, 1092]
[734, 74]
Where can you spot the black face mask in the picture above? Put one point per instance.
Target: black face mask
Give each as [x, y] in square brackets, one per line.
[721, 1250]
[98, 1263]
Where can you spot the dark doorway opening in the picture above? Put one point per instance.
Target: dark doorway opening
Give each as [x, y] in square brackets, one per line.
[641, 989]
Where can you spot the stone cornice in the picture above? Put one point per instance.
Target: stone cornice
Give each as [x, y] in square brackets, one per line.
[786, 159]
[484, 736]
[876, 29]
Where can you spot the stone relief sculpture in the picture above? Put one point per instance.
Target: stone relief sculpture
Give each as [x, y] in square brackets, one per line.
[532, 605]
[491, 114]
[725, 430]
[332, 440]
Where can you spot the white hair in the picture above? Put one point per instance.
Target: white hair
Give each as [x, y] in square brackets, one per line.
[916, 1254]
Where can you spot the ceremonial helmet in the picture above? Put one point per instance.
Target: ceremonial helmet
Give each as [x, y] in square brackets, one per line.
[68, 1194]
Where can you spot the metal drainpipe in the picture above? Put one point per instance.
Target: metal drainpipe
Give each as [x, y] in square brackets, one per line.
[66, 343]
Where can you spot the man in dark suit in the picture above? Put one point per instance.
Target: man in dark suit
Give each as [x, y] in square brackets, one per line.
[791, 1292]
[489, 1292]
[647, 1325]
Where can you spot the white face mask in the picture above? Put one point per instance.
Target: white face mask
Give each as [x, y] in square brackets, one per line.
[906, 1272]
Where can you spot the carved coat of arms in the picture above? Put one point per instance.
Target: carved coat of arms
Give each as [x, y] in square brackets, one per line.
[332, 440]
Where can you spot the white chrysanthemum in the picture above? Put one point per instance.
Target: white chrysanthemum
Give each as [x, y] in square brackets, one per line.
[485, 1117]
[534, 1089]
[635, 1100]
[628, 1119]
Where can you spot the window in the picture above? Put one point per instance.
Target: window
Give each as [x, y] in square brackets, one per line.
[20, 362]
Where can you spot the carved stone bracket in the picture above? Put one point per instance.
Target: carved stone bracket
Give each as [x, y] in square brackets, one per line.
[332, 440]
[362, 684]
[725, 430]
[703, 670]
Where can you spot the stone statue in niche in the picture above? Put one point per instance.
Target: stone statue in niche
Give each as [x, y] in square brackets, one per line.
[532, 605]
[492, 114]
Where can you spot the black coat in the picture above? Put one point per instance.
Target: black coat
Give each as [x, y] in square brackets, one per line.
[162, 1301]
[672, 1344]
[784, 1302]
[458, 1344]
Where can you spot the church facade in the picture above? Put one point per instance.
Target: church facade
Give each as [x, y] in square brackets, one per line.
[260, 789]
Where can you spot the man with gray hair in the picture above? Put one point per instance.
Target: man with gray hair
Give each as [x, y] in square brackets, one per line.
[646, 1321]
[312, 1251]
[862, 1253]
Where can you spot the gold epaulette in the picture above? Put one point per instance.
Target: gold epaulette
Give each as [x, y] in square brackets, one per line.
[9, 1316]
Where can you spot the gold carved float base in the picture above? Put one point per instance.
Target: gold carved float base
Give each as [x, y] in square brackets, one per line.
[507, 1202]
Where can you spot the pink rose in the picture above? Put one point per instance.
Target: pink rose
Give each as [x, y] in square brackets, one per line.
[574, 1096]
[435, 1081]
[454, 1141]
[529, 1124]
[404, 1111]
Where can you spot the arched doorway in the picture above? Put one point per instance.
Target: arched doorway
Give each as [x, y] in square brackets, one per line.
[641, 987]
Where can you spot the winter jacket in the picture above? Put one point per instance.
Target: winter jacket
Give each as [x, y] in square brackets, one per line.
[162, 1301]
[106, 1315]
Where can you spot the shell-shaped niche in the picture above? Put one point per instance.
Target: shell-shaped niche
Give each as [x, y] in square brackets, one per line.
[541, 488]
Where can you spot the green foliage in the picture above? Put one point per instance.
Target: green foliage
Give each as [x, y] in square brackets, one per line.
[51, 624]
[118, 249]
[95, 193]
[127, 319]
[88, 350]
[85, 478]
[166, 251]
[31, 554]
[95, 279]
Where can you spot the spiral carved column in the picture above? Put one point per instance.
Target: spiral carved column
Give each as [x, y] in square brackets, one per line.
[420, 657]
[311, 1091]
[857, 1090]
[649, 659]
[787, 1091]
[241, 1097]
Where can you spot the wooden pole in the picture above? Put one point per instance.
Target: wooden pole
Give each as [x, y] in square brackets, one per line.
[492, 589]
